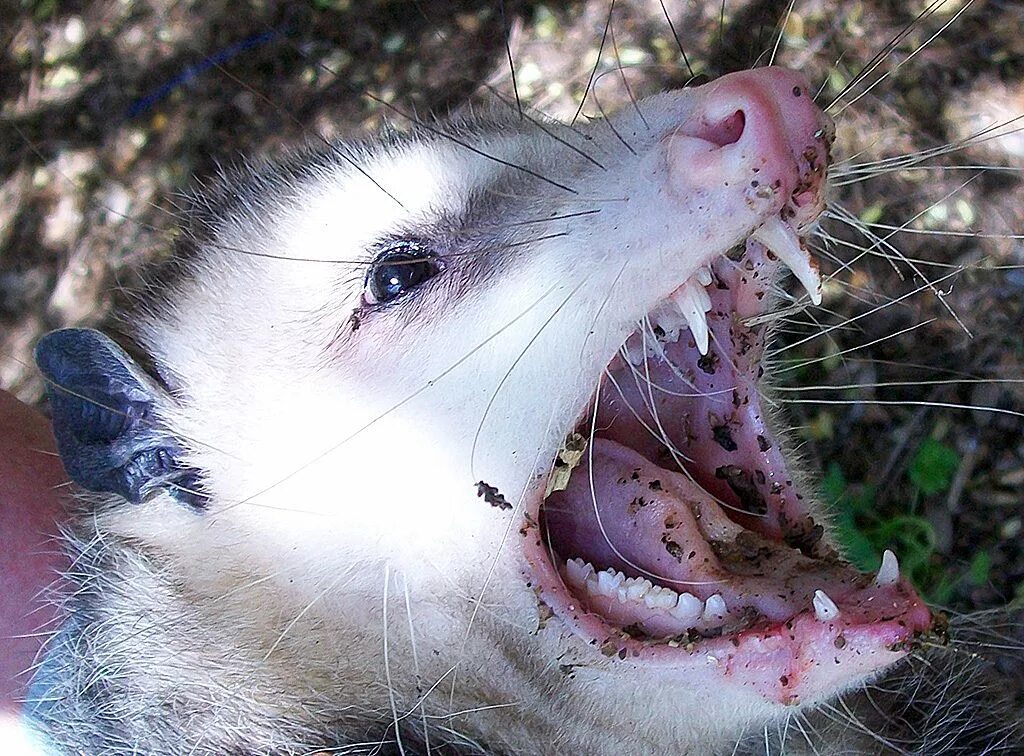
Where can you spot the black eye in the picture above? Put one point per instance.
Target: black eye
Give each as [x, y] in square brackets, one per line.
[398, 270]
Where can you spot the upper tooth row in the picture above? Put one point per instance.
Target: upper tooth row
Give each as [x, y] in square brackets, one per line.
[684, 606]
[691, 305]
[693, 301]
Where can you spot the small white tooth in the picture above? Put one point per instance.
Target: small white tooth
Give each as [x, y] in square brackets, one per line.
[638, 589]
[889, 572]
[634, 354]
[825, 609]
[703, 275]
[660, 597]
[688, 300]
[782, 240]
[688, 608]
[575, 572]
[608, 582]
[622, 592]
[670, 321]
[714, 609]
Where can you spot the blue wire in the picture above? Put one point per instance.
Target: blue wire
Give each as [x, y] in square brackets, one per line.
[194, 71]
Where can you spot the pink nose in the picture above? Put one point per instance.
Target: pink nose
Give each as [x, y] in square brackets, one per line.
[767, 117]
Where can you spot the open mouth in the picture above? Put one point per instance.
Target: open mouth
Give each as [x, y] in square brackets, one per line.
[677, 533]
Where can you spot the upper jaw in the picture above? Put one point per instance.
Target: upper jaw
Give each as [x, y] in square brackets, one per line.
[747, 160]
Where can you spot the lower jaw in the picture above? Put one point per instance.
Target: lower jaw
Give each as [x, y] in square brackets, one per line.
[796, 661]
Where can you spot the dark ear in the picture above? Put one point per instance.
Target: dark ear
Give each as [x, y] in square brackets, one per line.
[104, 419]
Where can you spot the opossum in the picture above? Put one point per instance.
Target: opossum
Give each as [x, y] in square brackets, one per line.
[454, 440]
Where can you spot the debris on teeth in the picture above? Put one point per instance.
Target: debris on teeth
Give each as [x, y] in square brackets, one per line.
[714, 609]
[780, 238]
[693, 302]
[669, 320]
[688, 608]
[825, 609]
[889, 572]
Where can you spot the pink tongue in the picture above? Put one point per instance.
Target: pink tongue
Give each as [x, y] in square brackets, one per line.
[645, 519]
[654, 523]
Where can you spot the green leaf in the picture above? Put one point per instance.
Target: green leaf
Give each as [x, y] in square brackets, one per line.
[834, 484]
[857, 545]
[941, 591]
[933, 467]
[979, 569]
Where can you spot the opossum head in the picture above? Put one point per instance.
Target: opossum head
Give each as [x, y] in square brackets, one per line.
[380, 364]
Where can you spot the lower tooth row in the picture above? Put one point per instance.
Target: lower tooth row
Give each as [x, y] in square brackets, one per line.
[683, 606]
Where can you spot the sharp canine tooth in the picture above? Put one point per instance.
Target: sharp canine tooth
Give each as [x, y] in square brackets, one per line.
[703, 298]
[782, 240]
[889, 572]
[825, 609]
[714, 609]
[703, 275]
[690, 302]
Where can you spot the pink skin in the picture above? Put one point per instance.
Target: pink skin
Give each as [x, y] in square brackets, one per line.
[730, 521]
[761, 127]
[31, 507]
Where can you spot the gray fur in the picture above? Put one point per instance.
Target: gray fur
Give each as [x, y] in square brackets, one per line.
[136, 670]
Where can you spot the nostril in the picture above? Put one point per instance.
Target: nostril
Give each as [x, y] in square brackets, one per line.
[728, 130]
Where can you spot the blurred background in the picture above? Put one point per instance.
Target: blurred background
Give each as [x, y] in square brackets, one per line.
[904, 387]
